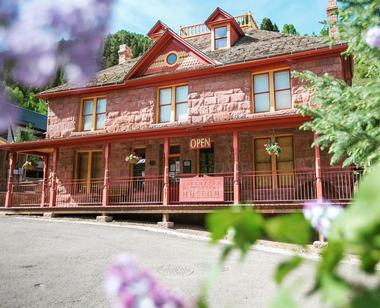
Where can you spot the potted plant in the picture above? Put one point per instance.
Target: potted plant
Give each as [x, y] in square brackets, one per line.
[132, 159]
[28, 165]
[272, 148]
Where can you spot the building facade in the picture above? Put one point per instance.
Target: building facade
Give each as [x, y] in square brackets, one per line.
[188, 127]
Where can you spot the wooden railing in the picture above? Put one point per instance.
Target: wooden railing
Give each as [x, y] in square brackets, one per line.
[136, 190]
[284, 187]
[245, 21]
[27, 194]
[79, 192]
[294, 187]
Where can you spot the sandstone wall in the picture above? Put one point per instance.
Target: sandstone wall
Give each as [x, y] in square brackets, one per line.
[216, 98]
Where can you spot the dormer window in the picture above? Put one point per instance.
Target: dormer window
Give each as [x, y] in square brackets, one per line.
[220, 37]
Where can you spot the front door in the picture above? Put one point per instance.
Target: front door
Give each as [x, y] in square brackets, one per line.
[206, 161]
[174, 170]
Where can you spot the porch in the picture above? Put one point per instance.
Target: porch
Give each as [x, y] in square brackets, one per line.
[177, 176]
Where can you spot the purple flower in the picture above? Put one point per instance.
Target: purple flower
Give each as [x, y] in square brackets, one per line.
[8, 11]
[372, 37]
[31, 41]
[321, 215]
[127, 285]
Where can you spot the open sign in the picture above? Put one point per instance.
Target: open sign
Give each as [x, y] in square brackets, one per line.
[200, 143]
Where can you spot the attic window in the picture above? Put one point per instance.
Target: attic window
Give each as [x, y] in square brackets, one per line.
[171, 59]
[220, 37]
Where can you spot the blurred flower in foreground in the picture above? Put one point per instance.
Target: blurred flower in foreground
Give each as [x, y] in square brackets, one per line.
[31, 41]
[321, 215]
[372, 37]
[129, 286]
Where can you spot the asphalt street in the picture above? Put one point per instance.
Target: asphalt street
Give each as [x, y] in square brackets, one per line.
[45, 263]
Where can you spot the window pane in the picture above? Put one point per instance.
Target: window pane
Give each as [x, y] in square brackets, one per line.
[87, 122]
[100, 121]
[261, 83]
[181, 94]
[262, 102]
[283, 100]
[281, 80]
[82, 165]
[165, 112]
[220, 43]
[220, 32]
[97, 168]
[286, 144]
[165, 96]
[181, 112]
[101, 105]
[87, 107]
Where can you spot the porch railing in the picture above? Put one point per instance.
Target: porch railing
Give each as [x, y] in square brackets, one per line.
[284, 187]
[27, 194]
[340, 185]
[294, 187]
[79, 192]
[3, 192]
[136, 190]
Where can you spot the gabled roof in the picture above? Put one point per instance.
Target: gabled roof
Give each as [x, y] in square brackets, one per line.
[157, 29]
[155, 49]
[254, 46]
[218, 12]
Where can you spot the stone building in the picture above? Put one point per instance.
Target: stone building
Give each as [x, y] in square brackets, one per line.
[191, 125]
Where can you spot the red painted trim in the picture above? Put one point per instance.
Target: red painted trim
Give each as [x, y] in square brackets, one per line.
[159, 25]
[53, 186]
[165, 195]
[270, 121]
[223, 68]
[156, 48]
[318, 172]
[9, 194]
[235, 142]
[106, 180]
[227, 19]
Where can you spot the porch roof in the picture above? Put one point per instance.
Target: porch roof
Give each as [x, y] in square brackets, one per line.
[45, 146]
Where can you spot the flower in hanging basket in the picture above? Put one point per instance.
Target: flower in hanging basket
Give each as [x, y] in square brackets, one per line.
[28, 165]
[132, 159]
[272, 148]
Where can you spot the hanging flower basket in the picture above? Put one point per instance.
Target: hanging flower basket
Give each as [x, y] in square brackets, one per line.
[132, 159]
[272, 148]
[28, 165]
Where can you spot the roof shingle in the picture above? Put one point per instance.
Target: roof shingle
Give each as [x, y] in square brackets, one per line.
[256, 44]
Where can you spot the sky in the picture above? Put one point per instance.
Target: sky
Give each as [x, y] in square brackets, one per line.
[140, 15]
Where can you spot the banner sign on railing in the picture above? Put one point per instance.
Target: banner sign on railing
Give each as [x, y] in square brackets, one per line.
[201, 189]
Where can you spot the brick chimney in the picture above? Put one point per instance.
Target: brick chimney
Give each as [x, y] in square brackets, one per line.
[125, 53]
[332, 17]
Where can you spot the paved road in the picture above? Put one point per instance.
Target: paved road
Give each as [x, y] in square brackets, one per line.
[60, 264]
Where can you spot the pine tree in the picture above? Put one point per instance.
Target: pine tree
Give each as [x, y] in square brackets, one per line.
[267, 24]
[138, 42]
[289, 29]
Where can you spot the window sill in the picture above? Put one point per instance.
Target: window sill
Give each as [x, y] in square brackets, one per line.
[88, 132]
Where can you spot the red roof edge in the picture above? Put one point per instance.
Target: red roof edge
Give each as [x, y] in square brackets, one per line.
[200, 72]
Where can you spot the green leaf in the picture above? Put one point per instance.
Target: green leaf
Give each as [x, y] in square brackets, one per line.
[245, 225]
[332, 254]
[284, 268]
[367, 299]
[292, 228]
[335, 290]
[283, 299]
